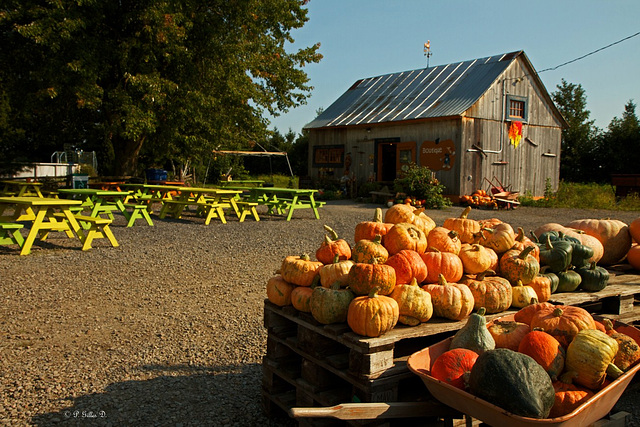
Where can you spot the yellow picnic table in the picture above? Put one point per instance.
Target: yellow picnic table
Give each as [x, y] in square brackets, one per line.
[281, 200]
[20, 188]
[242, 183]
[49, 214]
[210, 203]
[108, 201]
[149, 194]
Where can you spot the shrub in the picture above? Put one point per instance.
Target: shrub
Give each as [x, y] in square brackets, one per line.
[421, 183]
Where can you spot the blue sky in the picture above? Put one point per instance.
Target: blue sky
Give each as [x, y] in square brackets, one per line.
[365, 38]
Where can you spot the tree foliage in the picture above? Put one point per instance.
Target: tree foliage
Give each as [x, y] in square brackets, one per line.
[141, 81]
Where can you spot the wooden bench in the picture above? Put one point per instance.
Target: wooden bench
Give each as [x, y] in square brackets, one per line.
[92, 228]
[10, 233]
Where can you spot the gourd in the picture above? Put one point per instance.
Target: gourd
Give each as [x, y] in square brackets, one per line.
[467, 228]
[613, 234]
[593, 277]
[408, 265]
[525, 314]
[363, 278]
[330, 305]
[628, 349]
[522, 295]
[474, 335]
[568, 396]
[454, 366]
[445, 263]
[370, 229]
[336, 272]
[367, 250]
[279, 291]
[500, 238]
[301, 298]
[508, 333]
[516, 265]
[512, 381]
[405, 236]
[332, 246]
[590, 355]
[452, 301]
[563, 322]
[557, 254]
[568, 280]
[544, 349]
[414, 303]
[300, 270]
[372, 315]
[492, 292]
[475, 258]
[444, 240]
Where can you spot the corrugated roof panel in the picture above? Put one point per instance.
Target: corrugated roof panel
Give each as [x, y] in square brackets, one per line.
[441, 91]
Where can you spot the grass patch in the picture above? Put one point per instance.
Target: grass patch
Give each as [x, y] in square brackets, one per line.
[583, 196]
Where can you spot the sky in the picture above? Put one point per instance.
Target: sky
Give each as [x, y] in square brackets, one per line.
[367, 38]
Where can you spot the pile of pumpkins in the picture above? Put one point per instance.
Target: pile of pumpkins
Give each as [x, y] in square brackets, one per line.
[403, 268]
[479, 199]
[543, 362]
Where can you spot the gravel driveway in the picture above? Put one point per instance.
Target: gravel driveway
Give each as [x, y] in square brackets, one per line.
[167, 329]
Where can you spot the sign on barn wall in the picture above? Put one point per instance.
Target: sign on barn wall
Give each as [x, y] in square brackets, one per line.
[438, 155]
[328, 155]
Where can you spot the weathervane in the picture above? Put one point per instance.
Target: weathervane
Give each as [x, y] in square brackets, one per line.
[427, 51]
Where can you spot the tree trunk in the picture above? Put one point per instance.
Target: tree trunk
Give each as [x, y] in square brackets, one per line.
[126, 155]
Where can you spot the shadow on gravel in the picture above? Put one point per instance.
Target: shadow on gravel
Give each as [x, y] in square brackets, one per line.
[221, 396]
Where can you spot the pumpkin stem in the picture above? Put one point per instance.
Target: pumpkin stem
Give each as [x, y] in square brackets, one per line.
[441, 279]
[453, 234]
[378, 215]
[331, 231]
[520, 235]
[465, 212]
[608, 325]
[568, 377]
[525, 252]
[305, 257]
[373, 293]
[481, 311]
[613, 371]
[534, 237]
[378, 238]
[557, 312]
[414, 282]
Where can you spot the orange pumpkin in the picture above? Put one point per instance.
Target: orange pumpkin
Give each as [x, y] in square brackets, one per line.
[563, 322]
[542, 285]
[300, 270]
[414, 303]
[444, 240]
[405, 236]
[370, 229]
[519, 265]
[364, 278]
[408, 265]
[568, 396]
[465, 227]
[634, 230]
[613, 234]
[301, 298]
[452, 301]
[331, 247]
[476, 258]
[367, 250]
[279, 291]
[335, 273]
[372, 315]
[489, 291]
[522, 241]
[508, 333]
[633, 256]
[400, 213]
[544, 349]
[500, 238]
[453, 366]
[445, 263]
[525, 314]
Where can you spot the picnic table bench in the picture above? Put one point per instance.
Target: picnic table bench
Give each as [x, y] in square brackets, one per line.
[210, 203]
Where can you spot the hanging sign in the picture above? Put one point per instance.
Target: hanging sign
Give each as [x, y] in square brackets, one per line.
[438, 155]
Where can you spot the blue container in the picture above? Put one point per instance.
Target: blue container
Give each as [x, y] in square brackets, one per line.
[156, 175]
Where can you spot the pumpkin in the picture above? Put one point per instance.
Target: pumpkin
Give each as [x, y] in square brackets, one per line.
[454, 366]
[489, 291]
[500, 238]
[584, 238]
[628, 349]
[556, 254]
[367, 250]
[475, 258]
[544, 349]
[279, 291]
[405, 236]
[301, 298]
[445, 263]
[335, 273]
[513, 381]
[563, 322]
[300, 270]
[568, 396]
[370, 229]
[363, 278]
[523, 295]
[553, 277]
[541, 284]
[408, 265]
[495, 260]
[465, 227]
[372, 315]
[634, 230]
[593, 278]
[444, 240]
[414, 303]
[521, 241]
[516, 265]
[452, 301]
[508, 333]
[423, 221]
[330, 305]
[474, 335]
[403, 213]
[568, 281]
[590, 355]
[525, 314]
[489, 222]
[332, 246]
[613, 234]
[633, 256]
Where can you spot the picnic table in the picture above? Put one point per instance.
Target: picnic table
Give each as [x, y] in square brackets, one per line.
[50, 214]
[149, 194]
[209, 202]
[284, 200]
[242, 183]
[108, 201]
[20, 188]
[107, 185]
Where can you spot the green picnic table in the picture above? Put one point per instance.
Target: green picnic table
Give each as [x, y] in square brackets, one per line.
[284, 200]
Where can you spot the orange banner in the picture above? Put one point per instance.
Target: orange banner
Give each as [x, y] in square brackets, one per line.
[515, 133]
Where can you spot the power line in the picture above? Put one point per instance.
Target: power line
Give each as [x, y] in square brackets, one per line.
[590, 53]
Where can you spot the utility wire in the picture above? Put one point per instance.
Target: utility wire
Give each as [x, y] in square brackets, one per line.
[590, 53]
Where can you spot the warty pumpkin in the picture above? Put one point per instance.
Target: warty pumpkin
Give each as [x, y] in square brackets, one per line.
[300, 270]
[544, 349]
[450, 300]
[372, 315]
[408, 265]
[445, 263]
[279, 291]
[403, 213]
[301, 298]
[612, 233]
[454, 366]
[521, 241]
[335, 273]
[516, 265]
[541, 284]
[370, 229]
[568, 396]
[332, 246]
[628, 349]
[523, 295]
[414, 303]
[489, 291]
[590, 355]
[444, 240]
[367, 250]
[364, 278]
[562, 321]
[465, 227]
[405, 236]
[508, 333]
[330, 305]
[475, 258]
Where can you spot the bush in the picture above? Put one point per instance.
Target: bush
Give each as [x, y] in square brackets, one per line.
[583, 196]
[421, 183]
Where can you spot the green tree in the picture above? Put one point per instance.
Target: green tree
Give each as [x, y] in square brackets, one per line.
[619, 146]
[577, 140]
[147, 81]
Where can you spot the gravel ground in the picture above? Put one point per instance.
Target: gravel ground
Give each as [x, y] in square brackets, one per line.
[167, 329]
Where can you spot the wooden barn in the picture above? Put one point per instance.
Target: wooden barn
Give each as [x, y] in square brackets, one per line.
[472, 123]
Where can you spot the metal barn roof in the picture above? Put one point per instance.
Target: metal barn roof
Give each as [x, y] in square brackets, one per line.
[440, 91]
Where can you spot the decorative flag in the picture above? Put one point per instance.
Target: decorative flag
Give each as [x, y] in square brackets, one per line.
[515, 133]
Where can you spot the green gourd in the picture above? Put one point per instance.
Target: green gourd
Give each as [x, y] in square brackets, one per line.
[512, 381]
[474, 335]
[553, 277]
[569, 281]
[594, 278]
[556, 254]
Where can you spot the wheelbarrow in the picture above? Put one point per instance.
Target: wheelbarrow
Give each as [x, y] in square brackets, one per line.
[505, 198]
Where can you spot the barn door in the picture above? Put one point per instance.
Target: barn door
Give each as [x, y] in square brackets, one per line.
[405, 155]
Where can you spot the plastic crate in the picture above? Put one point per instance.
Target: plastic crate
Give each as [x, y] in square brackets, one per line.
[156, 175]
[79, 181]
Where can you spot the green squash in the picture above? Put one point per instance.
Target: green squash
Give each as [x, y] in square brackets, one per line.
[568, 281]
[474, 335]
[512, 381]
[553, 277]
[594, 278]
[556, 254]
[330, 305]
[581, 255]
